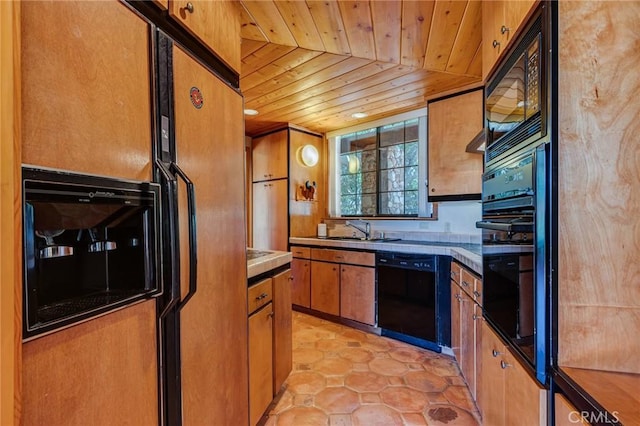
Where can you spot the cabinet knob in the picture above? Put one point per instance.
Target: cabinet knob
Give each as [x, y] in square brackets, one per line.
[477, 317]
[495, 353]
[476, 293]
[504, 365]
[189, 7]
[433, 190]
[464, 283]
[504, 29]
[457, 296]
[262, 296]
[270, 315]
[495, 43]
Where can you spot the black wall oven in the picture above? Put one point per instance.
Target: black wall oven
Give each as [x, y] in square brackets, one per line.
[515, 255]
[91, 245]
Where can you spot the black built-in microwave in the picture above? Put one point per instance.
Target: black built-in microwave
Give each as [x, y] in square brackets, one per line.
[516, 111]
[91, 244]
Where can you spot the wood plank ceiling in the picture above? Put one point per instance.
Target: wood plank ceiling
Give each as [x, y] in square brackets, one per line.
[315, 63]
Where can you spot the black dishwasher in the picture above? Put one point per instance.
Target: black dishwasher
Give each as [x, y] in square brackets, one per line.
[414, 298]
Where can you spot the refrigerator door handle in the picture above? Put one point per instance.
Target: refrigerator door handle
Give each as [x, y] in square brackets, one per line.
[193, 253]
[175, 272]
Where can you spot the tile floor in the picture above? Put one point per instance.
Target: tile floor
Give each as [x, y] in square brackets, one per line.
[342, 376]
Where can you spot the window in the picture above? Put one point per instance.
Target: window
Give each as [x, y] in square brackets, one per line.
[378, 170]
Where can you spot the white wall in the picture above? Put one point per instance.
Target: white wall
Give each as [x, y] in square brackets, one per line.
[456, 223]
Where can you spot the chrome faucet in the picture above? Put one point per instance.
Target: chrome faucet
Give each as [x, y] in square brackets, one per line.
[366, 231]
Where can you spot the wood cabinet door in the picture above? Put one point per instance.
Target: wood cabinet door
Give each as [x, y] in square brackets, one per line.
[282, 329]
[477, 327]
[524, 399]
[491, 396]
[270, 215]
[86, 88]
[325, 287]
[358, 293]
[467, 341]
[566, 414]
[456, 301]
[216, 316]
[260, 362]
[215, 23]
[269, 156]
[453, 122]
[493, 18]
[301, 284]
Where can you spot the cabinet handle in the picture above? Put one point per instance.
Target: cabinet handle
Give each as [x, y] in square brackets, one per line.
[495, 43]
[271, 314]
[464, 283]
[504, 365]
[476, 293]
[453, 275]
[189, 7]
[477, 317]
[262, 296]
[495, 353]
[291, 278]
[266, 175]
[457, 296]
[504, 29]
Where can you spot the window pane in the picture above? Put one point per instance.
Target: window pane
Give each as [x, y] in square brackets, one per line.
[411, 178]
[392, 156]
[348, 184]
[347, 143]
[368, 206]
[349, 205]
[411, 130]
[367, 139]
[392, 134]
[369, 183]
[411, 202]
[392, 180]
[392, 203]
[368, 160]
[411, 154]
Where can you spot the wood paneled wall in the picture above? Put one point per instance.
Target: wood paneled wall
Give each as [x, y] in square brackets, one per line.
[10, 220]
[599, 181]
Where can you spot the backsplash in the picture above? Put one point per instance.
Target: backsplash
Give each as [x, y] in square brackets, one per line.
[456, 223]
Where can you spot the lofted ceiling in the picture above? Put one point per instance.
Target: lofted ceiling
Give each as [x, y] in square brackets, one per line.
[315, 63]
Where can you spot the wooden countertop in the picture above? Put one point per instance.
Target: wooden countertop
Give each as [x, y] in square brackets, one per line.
[618, 393]
[266, 261]
[468, 254]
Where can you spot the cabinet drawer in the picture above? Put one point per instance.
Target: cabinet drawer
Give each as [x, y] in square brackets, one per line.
[301, 252]
[344, 256]
[260, 294]
[471, 285]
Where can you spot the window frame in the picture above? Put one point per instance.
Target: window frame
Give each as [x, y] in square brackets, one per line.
[425, 210]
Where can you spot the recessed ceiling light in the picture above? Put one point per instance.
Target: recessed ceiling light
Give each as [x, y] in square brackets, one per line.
[359, 115]
[250, 112]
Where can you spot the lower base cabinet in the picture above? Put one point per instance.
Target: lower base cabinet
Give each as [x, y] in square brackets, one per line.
[270, 340]
[358, 293]
[508, 395]
[325, 287]
[260, 362]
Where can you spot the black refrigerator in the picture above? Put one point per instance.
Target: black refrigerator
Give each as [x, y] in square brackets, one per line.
[202, 316]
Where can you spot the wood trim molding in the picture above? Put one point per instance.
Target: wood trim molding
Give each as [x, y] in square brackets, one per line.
[10, 225]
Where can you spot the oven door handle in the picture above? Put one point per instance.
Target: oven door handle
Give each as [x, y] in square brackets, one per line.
[507, 227]
[193, 249]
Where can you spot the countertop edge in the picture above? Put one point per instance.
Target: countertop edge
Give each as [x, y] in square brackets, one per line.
[267, 263]
[470, 260]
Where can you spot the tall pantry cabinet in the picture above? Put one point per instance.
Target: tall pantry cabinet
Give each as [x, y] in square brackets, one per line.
[288, 195]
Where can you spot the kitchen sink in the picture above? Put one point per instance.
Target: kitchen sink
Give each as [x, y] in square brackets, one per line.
[372, 240]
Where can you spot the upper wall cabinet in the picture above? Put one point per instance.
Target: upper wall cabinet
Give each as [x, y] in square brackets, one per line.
[269, 156]
[500, 21]
[215, 23]
[454, 174]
